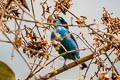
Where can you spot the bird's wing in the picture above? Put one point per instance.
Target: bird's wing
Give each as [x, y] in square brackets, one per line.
[62, 21]
[74, 40]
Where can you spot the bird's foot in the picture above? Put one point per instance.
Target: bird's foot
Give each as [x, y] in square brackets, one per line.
[65, 66]
[82, 66]
[76, 61]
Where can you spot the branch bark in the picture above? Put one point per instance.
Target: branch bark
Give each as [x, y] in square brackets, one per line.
[71, 65]
[102, 50]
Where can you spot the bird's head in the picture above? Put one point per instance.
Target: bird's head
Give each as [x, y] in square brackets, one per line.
[61, 20]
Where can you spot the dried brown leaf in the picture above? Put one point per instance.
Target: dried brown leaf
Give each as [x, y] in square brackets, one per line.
[24, 4]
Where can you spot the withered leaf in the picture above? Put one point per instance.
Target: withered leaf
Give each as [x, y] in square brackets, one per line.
[8, 3]
[24, 4]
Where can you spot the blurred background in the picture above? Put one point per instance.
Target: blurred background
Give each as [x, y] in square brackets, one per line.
[92, 9]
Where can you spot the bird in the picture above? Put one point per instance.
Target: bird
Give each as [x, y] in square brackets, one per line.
[62, 35]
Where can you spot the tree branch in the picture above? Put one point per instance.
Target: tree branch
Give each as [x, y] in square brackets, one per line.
[69, 66]
[102, 50]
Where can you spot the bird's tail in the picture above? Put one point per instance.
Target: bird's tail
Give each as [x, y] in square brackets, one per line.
[83, 65]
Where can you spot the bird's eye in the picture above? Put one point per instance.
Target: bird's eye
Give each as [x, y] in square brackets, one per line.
[60, 18]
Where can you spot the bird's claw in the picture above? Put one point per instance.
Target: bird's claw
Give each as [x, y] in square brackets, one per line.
[76, 61]
[65, 66]
[83, 65]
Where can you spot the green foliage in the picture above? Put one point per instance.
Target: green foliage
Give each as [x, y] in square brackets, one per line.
[5, 72]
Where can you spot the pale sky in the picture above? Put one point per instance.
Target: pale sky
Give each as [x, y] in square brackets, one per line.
[92, 9]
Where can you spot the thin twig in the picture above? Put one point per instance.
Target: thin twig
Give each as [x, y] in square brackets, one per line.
[16, 49]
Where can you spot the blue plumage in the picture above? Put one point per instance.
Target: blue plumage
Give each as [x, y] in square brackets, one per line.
[66, 39]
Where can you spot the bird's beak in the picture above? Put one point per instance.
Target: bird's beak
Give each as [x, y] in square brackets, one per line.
[55, 20]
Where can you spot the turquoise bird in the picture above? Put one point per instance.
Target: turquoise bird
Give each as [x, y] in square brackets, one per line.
[61, 34]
